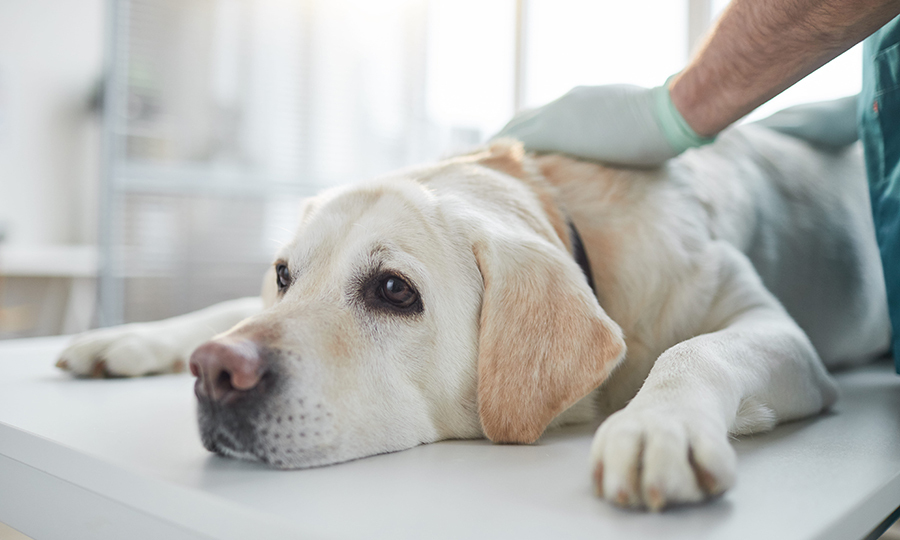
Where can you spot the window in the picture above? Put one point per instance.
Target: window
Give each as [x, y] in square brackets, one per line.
[221, 114]
[582, 42]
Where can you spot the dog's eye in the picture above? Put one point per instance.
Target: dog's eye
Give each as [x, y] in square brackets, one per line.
[397, 292]
[282, 277]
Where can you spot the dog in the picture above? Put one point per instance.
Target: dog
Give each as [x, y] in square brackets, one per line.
[499, 294]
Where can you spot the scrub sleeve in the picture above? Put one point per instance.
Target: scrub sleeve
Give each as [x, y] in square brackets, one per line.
[879, 129]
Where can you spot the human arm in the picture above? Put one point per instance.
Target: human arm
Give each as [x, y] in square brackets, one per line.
[758, 48]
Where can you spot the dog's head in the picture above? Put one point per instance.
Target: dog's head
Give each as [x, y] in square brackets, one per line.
[441, 302]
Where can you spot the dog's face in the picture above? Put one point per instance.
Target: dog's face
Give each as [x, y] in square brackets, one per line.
[438, 303]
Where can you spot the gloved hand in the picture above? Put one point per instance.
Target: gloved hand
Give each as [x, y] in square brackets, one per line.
[831, 124]
[619, 124]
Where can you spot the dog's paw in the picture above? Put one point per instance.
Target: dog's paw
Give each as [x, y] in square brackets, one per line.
[655, 458]
[124, 351]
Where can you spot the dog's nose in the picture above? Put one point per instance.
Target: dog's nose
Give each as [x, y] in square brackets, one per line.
[226, 369]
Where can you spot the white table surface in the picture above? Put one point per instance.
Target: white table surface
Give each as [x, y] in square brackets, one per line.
[122, 459]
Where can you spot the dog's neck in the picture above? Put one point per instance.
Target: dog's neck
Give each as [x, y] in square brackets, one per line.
[509, 158]
[580, 255]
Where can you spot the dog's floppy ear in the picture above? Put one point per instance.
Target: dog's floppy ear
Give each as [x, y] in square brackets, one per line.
[544, 340]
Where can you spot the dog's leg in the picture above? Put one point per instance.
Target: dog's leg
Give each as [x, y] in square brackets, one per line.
[750, 367]
[154, 347]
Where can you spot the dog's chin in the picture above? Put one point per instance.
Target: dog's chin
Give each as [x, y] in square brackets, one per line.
[277, 456]
[253, 435]
[226, 451]
[281, 456]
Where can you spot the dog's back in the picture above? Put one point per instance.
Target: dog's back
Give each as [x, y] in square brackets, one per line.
[812, 238]
[800, 214]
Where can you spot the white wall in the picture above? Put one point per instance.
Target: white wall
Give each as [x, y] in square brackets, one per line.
[50, 58]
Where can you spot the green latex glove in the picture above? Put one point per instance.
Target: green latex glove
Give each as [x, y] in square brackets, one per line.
[619, 124]
[831, 124]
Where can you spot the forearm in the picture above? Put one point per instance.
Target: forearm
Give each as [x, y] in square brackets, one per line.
[760, 47]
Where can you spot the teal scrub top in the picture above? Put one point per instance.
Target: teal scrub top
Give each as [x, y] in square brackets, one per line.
[879, 129]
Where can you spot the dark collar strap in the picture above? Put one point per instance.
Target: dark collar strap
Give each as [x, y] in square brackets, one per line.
[580, 256]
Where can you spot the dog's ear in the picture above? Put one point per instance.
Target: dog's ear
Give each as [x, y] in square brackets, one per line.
[544, 342]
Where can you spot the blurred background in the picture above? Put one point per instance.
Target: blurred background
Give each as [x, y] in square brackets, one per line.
[153, 152]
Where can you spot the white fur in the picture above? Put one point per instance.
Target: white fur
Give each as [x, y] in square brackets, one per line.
[686, 260]
[159, 347]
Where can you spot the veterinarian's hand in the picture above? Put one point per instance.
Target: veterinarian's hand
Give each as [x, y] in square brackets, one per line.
[619, 124]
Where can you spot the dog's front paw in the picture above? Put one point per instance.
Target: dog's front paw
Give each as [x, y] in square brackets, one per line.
[124, 351]
[652, 458]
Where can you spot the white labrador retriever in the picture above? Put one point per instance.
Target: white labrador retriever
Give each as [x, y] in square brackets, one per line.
[446, 302]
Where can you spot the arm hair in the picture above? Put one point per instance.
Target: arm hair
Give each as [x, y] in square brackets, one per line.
[758, 48]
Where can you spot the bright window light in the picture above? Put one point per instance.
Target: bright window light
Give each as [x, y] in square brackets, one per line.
[583, 42]
[470, 66]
